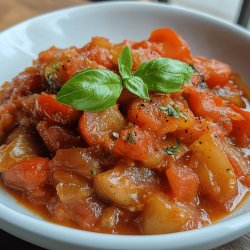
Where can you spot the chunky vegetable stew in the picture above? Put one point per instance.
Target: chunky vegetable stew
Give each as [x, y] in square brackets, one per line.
[128, 138]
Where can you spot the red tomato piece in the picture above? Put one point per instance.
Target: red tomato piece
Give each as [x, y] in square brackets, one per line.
[241, 128]
[183, 182]
[50, 109]
[215, 72]
[148, 115]
[133, 143]
[49, 54]
[200, 127]
[27, 175]
[173, 45]
[56, 137]
[98, 128]
[211, 108]
[140, 145]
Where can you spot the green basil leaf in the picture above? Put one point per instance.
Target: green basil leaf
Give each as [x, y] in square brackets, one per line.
[136, 86]
[91, 90]
[164, 75]
[125, 63]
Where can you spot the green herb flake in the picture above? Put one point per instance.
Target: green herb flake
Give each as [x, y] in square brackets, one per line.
[124, 137]
[56, 67]
[93, 171]
[130, 139]
[174, 149]
[173, 111]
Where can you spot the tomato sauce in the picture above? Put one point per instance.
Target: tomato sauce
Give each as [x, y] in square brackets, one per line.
[169, 163]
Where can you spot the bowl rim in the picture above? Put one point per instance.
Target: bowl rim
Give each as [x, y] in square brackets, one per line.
[232, 227]
[207, 16]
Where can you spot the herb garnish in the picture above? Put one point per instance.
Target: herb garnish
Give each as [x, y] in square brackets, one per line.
[130, 139]
[93, 171]
[174, 149]
[94, 90]
[173, 111]
[51, 73]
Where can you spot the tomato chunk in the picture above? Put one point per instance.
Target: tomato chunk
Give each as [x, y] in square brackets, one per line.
[49, 54]
[174, 46]
[183, 181]
[20, 145]
[85, 213]
[52, 110]
[98, 128]
[241, 128]
[56, 137]
[140, 145]
[27, 175]
[240, 162]
[74, 65]
[83, 161]
[211, 108]
[215, 72]
[230, 93]
[7, 119]
[150, 115]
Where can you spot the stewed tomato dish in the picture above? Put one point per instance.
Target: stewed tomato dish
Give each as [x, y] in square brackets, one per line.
[126, 138]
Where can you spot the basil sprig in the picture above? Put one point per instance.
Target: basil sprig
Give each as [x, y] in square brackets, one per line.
[133, 83]
[95, 90]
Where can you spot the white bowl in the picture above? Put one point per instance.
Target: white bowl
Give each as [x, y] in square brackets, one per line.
[206, 35]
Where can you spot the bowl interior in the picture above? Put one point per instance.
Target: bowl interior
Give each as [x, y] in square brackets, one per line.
[206, 36]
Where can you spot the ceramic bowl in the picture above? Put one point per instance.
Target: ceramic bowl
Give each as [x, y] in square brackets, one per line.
[206, 35]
